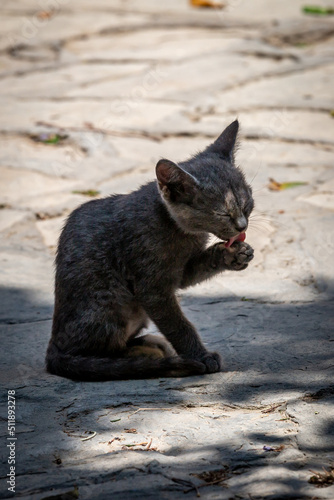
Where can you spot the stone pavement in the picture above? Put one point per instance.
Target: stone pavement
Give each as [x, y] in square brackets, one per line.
[92, 95]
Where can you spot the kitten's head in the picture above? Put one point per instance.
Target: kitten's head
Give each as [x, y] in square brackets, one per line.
[208, 193]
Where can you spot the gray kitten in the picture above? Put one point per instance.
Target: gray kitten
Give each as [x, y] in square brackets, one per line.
[121, 259]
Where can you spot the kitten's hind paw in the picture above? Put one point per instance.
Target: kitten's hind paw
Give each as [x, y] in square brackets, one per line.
[137, 351]
[180, 367]
[212, 362]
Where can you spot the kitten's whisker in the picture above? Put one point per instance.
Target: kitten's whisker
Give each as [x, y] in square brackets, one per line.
[266, 224]
[259, 214]
[255, 175]
[261, 228]
[257, 229]
[282, 225]
[260, 217]
[261, 221]
[267, 218]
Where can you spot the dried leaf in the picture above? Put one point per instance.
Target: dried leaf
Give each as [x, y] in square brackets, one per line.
[131, 431]
[91, 193]
[322, 479]
[92, 434]
[274, 448]
[44, 14]
[207, 4]
[280, 186]
[114, 439]
[144, 443]
[89, 125]
[214, 476]
[271, 408]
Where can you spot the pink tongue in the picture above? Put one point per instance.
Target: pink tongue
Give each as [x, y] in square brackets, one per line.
[239, 237]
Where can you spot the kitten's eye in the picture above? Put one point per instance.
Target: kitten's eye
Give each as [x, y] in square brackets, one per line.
[226, 218]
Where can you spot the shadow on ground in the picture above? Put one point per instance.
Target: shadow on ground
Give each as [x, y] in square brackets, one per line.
[277, 357]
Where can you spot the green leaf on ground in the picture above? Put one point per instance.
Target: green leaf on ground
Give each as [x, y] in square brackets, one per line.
[319, 11]
[88, 192]
[47, 138]
[53, 139]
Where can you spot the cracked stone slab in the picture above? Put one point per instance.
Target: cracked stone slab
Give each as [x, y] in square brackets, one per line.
[15, 182]
[124, 185]
[276, 123]
[267, 154]
[50, 230]
[10, 65]
[89, 156]
[318, 247]
[256, 156]
[8, 217]
[123, 114]
[148, 152]
[322, 196]
[280, 91]
[302, 31]
[171, 81]
[58, 82]
[156, 45]
[289, 125]
[315, 419]
[29, 28]
[321, 199]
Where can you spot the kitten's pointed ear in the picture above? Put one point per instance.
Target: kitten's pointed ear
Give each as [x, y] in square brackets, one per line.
[226, 141]
[175, 184]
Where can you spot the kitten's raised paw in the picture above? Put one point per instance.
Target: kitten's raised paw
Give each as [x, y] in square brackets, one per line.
[236, 257]
[212, 362]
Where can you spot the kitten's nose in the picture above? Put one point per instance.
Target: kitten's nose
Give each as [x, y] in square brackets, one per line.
[241, 223]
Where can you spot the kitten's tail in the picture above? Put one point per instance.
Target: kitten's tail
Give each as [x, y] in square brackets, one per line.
[89, 368]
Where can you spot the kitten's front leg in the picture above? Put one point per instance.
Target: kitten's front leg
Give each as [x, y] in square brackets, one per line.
[215, 259]
[166, 313]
